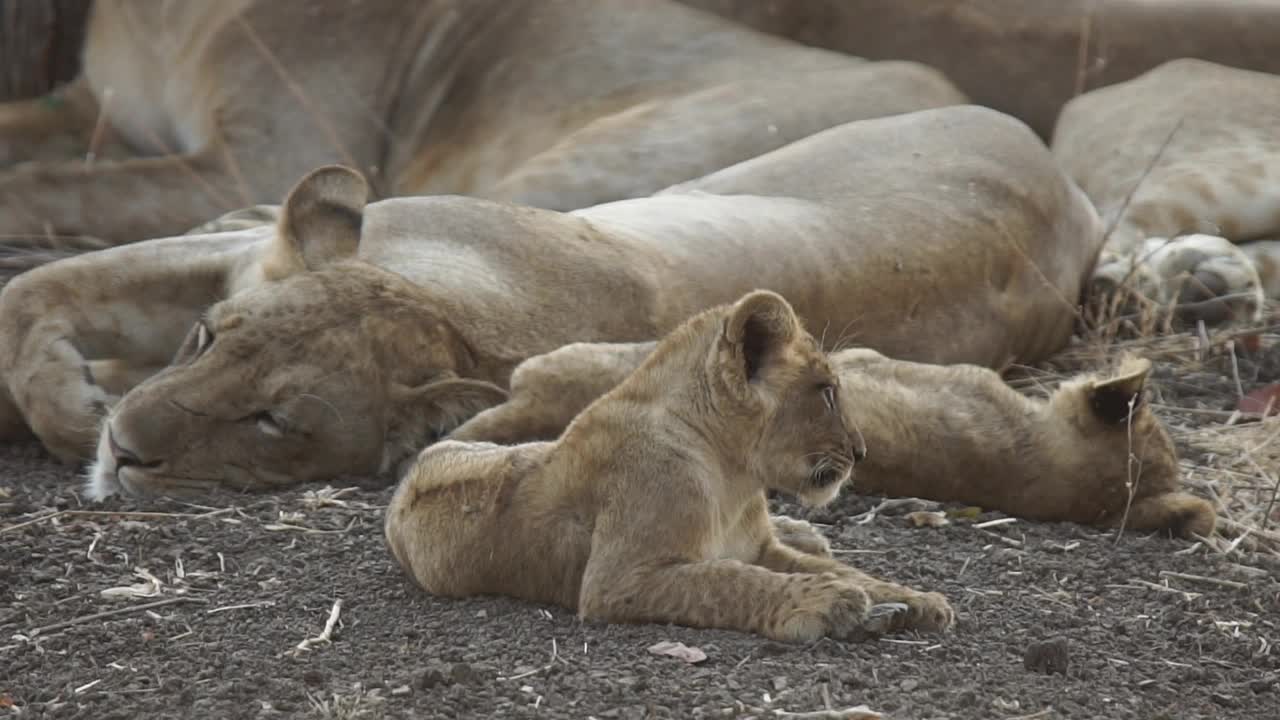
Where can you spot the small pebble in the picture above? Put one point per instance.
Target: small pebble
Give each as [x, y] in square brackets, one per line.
[1047, 656]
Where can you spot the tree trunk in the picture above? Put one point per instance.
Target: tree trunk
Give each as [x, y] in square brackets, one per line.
[39, 45]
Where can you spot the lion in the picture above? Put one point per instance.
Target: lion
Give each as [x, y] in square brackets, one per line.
[1091, 453]
[187, 110]
[1106, 81]
[347, 336]
[1180, 161]
[651, 506]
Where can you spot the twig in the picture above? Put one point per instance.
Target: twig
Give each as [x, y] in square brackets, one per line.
[1231, 584]
[111, 613]
[555, 653]
[33, 521]
[325, 635]
[994, 523]
[244, 606]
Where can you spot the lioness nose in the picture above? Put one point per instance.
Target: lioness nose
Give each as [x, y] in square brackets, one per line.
[122, 455]
[859, 448]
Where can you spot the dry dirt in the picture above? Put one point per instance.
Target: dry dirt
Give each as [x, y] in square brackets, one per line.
[212, 601]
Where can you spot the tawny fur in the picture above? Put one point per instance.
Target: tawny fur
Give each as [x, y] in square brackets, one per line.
[1185, 163]
[346, 337]
[955, 433]
[651, 507]
[193, 109]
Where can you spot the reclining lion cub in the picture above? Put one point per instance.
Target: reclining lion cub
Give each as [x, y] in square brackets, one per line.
[1092, 453]
[348, 337]
[651, 507]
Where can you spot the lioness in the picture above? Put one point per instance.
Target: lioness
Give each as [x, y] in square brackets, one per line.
[651, 507]
[1092, 453]
[1182, 160]
[346, 337]
[186, 110]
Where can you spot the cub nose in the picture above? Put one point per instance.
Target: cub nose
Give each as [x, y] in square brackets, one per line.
[124, 457]
[859, 446]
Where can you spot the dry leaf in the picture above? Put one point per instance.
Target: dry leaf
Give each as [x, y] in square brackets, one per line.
[1265, 399]
[927, 518]
[688, 654]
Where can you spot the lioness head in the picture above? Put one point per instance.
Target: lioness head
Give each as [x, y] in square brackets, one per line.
[770, 390]
[334, 366]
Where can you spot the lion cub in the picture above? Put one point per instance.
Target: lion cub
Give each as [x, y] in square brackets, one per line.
[1093, 452]
[651, 505]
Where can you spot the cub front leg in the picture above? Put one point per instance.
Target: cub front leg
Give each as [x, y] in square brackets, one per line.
[926, 611]
[726, 594]
[800, 535]
[118, 313]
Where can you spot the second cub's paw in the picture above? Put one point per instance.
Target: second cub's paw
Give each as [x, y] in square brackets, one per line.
[800, 535]
[928, 612]
[825, 605]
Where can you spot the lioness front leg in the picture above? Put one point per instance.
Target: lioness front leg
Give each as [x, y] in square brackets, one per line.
[57, 127]
[165, 196]
[119, 313]
[926, 611]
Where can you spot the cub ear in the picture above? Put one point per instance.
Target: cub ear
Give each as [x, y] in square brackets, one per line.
[1112, 398]
[758, 327]
[442, 405]
[320, 221]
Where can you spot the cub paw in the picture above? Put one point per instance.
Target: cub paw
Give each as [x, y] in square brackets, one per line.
[800, 535]
[828, 605]
[929, 612]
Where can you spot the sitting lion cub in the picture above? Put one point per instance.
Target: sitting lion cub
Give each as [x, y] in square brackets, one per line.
[651, 506]
[1092, 453]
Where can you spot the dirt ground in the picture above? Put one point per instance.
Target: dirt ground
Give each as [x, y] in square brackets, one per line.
[167, 609]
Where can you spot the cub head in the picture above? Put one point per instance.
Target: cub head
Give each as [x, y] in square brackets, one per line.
[335, 366]
[1119, 446]
[773, 388]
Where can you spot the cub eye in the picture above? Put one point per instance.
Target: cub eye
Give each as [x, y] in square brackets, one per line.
[828, 395]
[204, 338]
[268, 424]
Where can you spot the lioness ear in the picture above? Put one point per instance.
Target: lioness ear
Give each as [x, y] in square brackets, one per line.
[759, 325]
[320, 221]
[1113, 398]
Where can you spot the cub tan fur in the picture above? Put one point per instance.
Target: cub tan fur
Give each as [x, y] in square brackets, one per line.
[346, 337]
[651, 507]
[939, 432]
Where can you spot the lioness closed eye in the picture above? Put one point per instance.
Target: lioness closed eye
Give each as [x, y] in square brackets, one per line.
[651, 506]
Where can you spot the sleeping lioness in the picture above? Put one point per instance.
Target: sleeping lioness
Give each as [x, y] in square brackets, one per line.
[1092, 453]
[651, 507]
[187, 110]
[348, 336]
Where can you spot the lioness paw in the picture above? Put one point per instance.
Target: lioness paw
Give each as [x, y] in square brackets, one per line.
[1205, 277]
[828, 605]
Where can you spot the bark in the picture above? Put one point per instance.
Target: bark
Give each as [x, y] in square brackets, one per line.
[39, 45]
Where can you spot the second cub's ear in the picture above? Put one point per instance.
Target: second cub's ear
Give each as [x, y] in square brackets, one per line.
[760, 325]
[320, 222]
[1112, 398]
